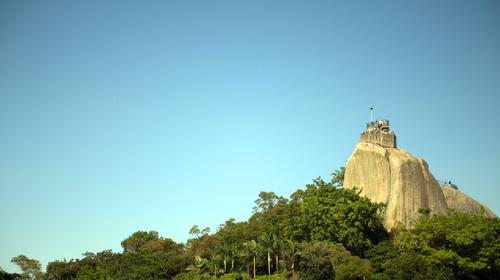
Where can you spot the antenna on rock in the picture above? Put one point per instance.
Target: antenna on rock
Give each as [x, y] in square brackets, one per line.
[371, 113]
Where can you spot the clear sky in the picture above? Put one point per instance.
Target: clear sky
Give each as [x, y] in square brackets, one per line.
[144, 115]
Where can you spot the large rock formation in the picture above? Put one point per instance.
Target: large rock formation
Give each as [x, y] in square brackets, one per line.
[395, 177]
[387, 174]
[461, 202]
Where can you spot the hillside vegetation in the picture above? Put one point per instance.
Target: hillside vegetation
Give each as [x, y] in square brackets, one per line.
[321, 232]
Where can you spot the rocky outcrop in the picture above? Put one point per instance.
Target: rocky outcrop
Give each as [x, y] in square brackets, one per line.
[461, 202]
[396, 178]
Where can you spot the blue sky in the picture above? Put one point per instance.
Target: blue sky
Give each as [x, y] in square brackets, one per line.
[124, 116]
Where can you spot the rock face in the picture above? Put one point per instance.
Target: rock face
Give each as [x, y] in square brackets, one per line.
[464, 203]
[398, 179]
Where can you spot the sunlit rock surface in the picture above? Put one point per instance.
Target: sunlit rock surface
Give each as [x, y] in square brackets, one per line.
[463, 203]
[398, 179]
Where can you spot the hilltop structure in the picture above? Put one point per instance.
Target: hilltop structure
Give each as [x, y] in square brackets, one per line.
[378, 132]
[388, 174]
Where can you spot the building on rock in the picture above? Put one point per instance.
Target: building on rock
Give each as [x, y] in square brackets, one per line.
[378, 132]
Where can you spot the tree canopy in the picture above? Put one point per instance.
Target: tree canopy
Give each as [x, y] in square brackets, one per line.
[321, 232]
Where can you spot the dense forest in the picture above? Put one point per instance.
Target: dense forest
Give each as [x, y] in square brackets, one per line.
[321, 232]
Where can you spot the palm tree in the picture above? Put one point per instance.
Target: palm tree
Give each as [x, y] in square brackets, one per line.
[246, 255]
[234, 249]
[293, 252]
[253, 249]
[338, 177]
[226, 250]
[267, 241]
[276, 248]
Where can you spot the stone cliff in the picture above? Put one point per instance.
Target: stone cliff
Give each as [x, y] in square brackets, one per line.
[387, 174]
[398, 179]
[461, 202]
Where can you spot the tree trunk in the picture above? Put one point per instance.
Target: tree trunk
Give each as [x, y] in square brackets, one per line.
[285, 261]
[277, 263]
[225, 264]
[269, 264]
[254, 257]
[232, 264]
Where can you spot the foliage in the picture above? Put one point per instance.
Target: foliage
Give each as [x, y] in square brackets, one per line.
[139, 239]
[8, 276]
[31, 269]
[338, 215]
[315, 259]
[197, 233]
[381, 253]
[338, 177]
[62, 269]
[354, 267]
[346, 266]
[282, 276]
[193, 276]
[409, 266]
[266, 201]
[229, 276]
[145, 256]
[425, 211]
[252, 249]
[469, 245]
[321, 232]
[327, 260]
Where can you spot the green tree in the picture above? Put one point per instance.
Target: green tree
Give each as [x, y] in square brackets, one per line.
[347, 267]
[197, 233]
[467, 244]
[8, 276]
[62, 270]
[292, 253]
[276, 246]
[338, 177]
[352, 268]
[205, 246]
[411, 266]
[31, 268]
[229, 241]
[267, 243]
[326, 260]
[381, 253]
[101, 265]
[315, 260]
[138, 239]
[324, 212]
[266, 201]
[146, 256]
[253, 249]
[269, 218]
